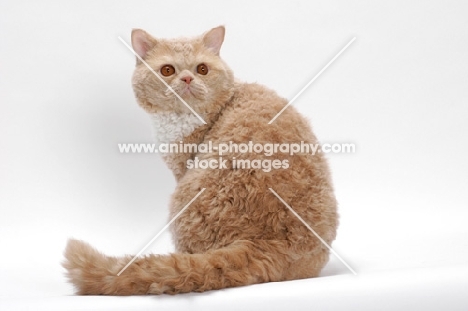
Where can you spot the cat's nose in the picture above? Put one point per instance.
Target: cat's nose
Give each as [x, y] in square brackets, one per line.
[187, 79]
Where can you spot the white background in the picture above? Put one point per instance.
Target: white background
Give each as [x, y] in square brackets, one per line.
[399, 93]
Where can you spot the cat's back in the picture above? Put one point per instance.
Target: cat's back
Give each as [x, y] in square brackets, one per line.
[239, 195]
[247, 115]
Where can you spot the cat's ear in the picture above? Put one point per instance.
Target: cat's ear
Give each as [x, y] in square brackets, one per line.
[142, 42]
[214, 38]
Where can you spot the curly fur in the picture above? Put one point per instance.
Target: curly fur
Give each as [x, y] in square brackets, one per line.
[236, 232]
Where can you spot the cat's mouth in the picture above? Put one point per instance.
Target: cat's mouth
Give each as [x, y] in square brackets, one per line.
[188, 91]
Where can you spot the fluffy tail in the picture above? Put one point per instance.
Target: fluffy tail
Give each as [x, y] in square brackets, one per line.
[241, 263]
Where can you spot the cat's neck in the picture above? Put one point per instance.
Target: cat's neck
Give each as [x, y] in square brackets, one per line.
[174, 128]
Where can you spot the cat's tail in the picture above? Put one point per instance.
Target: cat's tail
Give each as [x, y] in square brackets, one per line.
[241, 263]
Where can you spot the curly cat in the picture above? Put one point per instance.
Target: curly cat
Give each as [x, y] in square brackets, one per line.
[236, 232]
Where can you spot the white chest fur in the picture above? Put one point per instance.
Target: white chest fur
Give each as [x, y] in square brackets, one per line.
[169, 127]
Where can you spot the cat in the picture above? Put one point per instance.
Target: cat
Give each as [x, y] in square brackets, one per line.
[237, 232]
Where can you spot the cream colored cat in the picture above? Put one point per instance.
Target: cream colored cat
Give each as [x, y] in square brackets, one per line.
[236, 232]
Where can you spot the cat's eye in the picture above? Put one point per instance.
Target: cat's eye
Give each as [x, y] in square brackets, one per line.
[202, 69]
[167, 70]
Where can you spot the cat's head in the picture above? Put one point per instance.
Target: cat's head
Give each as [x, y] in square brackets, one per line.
[191, 67]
